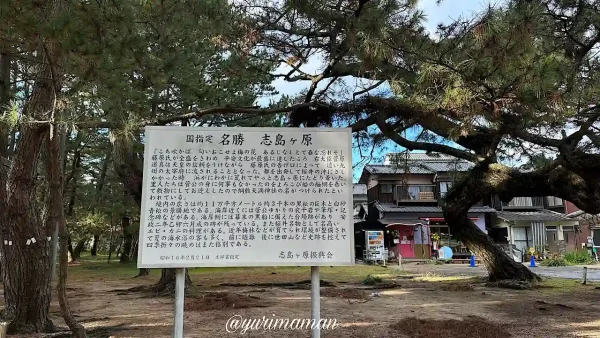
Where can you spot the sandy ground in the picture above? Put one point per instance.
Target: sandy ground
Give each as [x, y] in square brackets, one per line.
[569, 272]
[108, 311]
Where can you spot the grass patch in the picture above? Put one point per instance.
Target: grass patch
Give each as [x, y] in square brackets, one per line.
[97, 268]
[469, 327]
[372, 280]
[554, 261]
[579, 257]
[564, 285]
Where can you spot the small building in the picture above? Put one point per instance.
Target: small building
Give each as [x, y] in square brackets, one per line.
[545, 230]
[414, 226]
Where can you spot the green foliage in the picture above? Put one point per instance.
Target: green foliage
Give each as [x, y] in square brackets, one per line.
[372, 280]
[554, 261]
[579, 257]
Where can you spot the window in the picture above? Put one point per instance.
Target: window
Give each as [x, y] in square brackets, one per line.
[415, 192]
[568, 228]
[551, 228]
[386, 188]
[444, 187]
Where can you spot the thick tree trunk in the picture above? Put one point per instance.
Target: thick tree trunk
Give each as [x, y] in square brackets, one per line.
[94, 251]
[26, 264]
[79, 248]
[167, 281]
[127, 239]
[499, 265]
[461, 197]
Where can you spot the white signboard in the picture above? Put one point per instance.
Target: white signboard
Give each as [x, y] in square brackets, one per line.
[246, 197]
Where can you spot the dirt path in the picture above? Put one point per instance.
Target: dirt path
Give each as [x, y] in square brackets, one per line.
[107, 312]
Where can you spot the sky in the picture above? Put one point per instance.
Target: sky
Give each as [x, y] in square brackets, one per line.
[445, 12]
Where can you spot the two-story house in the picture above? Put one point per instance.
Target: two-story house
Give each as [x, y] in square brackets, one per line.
[404, 195]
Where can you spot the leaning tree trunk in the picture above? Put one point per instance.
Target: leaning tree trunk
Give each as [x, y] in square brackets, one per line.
[480, 182]
[78, 249]
[499, 265]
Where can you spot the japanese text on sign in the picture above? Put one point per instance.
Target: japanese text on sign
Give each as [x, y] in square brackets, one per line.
[246, 197]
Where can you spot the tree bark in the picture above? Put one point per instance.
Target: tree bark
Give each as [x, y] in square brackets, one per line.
[143, 272]
[5, 63]
[56, 218]
[79, 248]
[499, 265]
[26, 264]
[167, 280]
[461, 197]
[127, 239]
[94, 251]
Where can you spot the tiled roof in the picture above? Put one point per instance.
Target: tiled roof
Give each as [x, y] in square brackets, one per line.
[382, 207]
[449, 166]
[411, 167]
[421, 157]
[533, 216]
[418, 163]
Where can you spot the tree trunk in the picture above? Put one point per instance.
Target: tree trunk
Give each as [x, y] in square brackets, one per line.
[129, 168]
[26, 264]
[499, 265]
[167, 280]
[56, 218]
[79, 248]
[94, 251]
[127, 239]
[134, 248]
[70, 248]
[143, 272]
[456, 204]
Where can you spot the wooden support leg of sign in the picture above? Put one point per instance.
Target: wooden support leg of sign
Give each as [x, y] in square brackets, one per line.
[179, 301]
[315, 299]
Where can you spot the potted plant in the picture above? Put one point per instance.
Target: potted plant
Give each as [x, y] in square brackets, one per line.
[435, 238]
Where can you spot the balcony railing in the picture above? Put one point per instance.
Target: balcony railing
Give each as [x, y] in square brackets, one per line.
[524, 202]
[417, 193]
